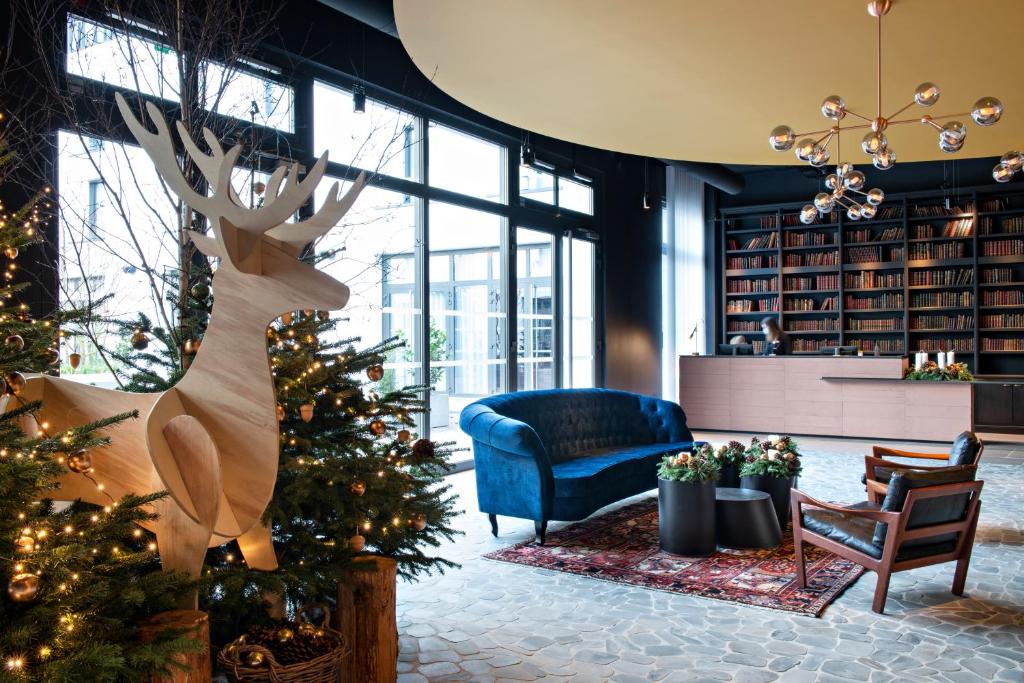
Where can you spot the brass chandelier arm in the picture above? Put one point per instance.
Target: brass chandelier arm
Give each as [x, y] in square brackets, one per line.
[859, 116]
[899, 111]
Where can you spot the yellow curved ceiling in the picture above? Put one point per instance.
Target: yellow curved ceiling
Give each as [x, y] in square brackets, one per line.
[707, 80]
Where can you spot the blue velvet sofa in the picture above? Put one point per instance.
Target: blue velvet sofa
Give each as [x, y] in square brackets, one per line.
[561, 454]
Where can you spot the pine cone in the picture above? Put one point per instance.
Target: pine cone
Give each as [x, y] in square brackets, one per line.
[423, 449]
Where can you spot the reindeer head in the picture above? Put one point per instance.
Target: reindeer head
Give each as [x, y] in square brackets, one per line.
[252, 242]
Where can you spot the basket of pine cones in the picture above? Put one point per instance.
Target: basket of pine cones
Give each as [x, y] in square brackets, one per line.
[287, 651]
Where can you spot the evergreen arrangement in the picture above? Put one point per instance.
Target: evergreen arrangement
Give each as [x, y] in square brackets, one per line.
[931, 372]
[731, 453]
[775, 456]
[695, 467]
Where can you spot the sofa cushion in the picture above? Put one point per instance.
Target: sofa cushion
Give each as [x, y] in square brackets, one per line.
[579, 477]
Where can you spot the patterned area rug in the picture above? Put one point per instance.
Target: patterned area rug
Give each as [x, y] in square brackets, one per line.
[622, 546]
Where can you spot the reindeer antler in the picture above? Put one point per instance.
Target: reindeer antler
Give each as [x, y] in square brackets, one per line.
[234, 224]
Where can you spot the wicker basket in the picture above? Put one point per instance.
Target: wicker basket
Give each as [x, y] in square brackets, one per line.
[324, 669]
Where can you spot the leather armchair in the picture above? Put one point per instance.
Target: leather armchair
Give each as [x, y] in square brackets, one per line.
[966, 450]
[927, 517]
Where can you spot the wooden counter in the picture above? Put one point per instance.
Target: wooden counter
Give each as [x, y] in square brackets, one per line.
[820, 395]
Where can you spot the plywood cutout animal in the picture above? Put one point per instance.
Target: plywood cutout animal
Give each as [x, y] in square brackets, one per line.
[212, 440]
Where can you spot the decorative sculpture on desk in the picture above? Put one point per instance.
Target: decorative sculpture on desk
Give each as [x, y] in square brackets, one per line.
[212, 440]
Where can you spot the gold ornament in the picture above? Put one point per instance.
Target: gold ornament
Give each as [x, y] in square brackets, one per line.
[357, 543]
[306, 629]
[23, 587]
[308, 312]
[26, 544]
[16, 342]
[11, 252]
[280, 412]
[323, 315]
[284, 635]
[80, 462]
[378, 427]
[404, 435]
[375, 372]
[192, 346]
[287, 318]
[75, 359]
[254, 658]
[419, 521]
[16, 383]
[200, 291]
[358, 488]
[51, 356]
[306, 412]
[139, 340]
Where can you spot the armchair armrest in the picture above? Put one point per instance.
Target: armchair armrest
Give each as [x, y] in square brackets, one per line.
[883, 451]
[798, 499]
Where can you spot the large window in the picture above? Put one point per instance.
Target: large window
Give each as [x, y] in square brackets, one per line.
[467, 164]
[535, 316]
[580, 346]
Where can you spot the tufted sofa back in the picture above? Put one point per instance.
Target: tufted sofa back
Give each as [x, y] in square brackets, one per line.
[575, 422]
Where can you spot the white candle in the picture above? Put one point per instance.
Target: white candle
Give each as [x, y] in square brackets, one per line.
[942, 360]
[919, 359]
[949, 358]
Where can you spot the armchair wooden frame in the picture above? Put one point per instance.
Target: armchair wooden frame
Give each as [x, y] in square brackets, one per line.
[896, 534]
[877, 489]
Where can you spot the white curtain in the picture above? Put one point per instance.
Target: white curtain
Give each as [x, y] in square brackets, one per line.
[684, 277]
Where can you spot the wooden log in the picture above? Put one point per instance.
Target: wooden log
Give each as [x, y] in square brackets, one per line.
[366, 617]
[200, 663]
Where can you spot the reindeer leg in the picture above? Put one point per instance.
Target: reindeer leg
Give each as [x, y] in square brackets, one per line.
[257, 546]
[182, 544]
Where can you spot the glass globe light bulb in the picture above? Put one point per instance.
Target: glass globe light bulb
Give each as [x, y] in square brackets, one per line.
[853, 213]
[867, 211]
[854, 180]
[823, 202]
[950, 148]
[805, 148]
[843, 167]
[833, 107]
[782, 138]
[873, 143]
[987, 111]
[1015, 160]
[832, 181]
[1002, 173]
[927, 94]
[820, 157]
[952, 132]
[884, 160]
[875, 196]
[808, 214]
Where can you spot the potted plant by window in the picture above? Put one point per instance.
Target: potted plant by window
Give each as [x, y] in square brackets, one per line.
[731, 457]
[772, 466]
[686, 501]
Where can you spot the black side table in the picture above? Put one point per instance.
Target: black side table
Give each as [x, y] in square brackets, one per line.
[745, 519]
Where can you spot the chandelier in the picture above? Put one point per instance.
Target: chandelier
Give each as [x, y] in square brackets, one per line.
[846, 184]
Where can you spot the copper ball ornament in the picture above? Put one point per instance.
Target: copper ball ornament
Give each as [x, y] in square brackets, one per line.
[375, 372]
[404, 435]
[16, 383]
[139, 340]
[288, 318]
[80, 462]
[284, 635]
[254, 658]
[51, 355]
[192, 346]
[74, 360]
[378, 427]
[200, 291]
[323, 315]
[358, 488]
[357, 543]
[306, 412]
[11, 252]
[23, 587]
[279, 411]
[15, 342]
[419, 521]
[26, 544]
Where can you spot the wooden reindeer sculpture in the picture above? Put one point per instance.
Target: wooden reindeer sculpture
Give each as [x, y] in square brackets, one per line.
[212, 440]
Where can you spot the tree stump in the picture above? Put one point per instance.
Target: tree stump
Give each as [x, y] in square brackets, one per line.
[366, 617]
[200, 663]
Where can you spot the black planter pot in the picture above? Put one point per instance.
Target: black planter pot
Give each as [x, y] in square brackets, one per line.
[686, 517]
[729, 477]
[776, 487]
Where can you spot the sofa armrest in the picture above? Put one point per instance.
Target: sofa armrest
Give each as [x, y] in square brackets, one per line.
[504, 433]
[667, 420]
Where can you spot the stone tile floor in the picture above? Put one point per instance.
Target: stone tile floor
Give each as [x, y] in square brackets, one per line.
[494, 622]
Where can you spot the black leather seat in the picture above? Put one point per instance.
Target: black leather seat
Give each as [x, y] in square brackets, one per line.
[966, 450]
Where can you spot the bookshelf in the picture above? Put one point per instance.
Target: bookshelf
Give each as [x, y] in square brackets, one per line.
[923, 275]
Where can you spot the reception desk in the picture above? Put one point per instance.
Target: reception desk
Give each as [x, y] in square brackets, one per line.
[820, 395]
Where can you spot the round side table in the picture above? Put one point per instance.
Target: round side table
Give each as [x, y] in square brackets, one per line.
[745, 519]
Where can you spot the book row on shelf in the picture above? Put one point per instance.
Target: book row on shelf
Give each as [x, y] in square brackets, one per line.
[759, 346]
[942, 322]
[930, 250]
[1000, 298]
[752, 286]
[995, 320]
[992, 204]
[867, 235]
[870, 279]
[1003, 248]
[823, 325]
[875, 324]
[744, 262]
[942, 300]
[873, 254]
[744, 326]
[940, 210]
[793, 283]
[815, 258]
[805, 345]
[1010, 225]
[766, 241]
[766, 305]
[830, 303]
[888, 300]
[883, 345]
[931, 344]
[960, 276]
[996, 344]
[810, 239]
[961, 227]
[997, 276]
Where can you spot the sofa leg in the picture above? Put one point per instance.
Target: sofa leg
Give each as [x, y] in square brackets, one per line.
[494, 524]
[540, 528]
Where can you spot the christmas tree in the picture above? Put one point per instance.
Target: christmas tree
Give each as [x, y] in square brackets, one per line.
[79, 578]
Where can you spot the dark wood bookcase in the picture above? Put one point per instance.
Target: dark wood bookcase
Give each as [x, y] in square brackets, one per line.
[931, 272]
